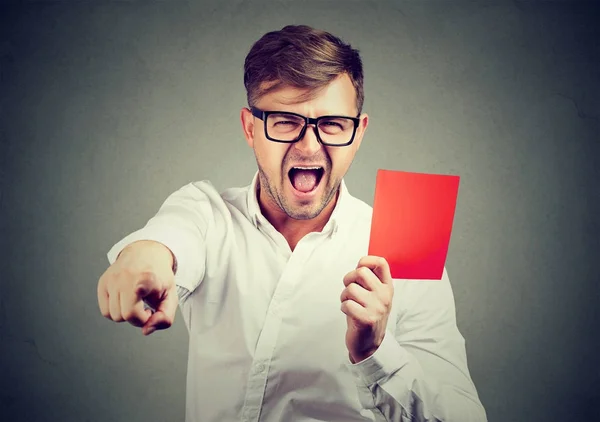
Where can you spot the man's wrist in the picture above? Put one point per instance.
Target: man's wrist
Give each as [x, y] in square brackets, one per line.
[357, 358]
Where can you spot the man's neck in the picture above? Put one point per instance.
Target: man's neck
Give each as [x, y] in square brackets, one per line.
[294, 230]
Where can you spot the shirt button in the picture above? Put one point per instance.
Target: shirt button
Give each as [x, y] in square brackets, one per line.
[259, 368]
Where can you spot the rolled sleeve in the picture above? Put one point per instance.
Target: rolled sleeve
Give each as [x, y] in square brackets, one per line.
[387, 360]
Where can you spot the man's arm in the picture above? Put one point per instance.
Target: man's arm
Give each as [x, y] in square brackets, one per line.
[419, 372]
[180, 224]
[160, 263]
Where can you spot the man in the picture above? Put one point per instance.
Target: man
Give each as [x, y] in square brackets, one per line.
[288, 319]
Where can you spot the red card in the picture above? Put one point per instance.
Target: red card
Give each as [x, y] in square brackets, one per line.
[412, 222]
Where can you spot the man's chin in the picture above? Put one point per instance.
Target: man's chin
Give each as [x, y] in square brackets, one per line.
[307, 205]
[305, 208]
[302, 209]
[302, 215]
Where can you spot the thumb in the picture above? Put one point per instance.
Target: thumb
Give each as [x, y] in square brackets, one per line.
[164, 315]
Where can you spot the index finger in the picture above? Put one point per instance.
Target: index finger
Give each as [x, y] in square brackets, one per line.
[379, 266]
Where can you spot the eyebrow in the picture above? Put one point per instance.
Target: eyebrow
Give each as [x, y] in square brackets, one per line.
[277, 102]
[338, 114]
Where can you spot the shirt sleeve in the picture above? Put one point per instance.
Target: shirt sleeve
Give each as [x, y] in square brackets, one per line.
[181, 224]
[419, 373]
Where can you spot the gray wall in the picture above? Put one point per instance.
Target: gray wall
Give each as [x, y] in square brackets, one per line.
[106, 108]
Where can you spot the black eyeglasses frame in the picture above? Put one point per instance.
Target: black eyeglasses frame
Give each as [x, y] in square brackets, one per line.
[263, 115]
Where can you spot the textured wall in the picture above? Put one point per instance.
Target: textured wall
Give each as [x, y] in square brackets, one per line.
[106, 108]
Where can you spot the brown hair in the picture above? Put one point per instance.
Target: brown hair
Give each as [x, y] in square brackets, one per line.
[301, 57]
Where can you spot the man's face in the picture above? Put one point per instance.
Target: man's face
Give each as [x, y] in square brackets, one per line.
[289, 182]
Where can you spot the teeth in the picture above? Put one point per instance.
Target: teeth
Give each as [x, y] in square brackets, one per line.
[308, 168]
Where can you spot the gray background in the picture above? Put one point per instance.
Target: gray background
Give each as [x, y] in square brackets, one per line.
[106, 108]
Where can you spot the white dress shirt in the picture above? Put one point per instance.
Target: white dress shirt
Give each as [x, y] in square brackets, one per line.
[266, 332]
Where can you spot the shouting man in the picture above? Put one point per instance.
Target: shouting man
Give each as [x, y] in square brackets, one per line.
[288, 319]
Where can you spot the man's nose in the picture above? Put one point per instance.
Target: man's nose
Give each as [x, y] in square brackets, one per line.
[309, 144]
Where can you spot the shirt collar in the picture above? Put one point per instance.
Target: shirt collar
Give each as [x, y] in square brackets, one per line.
[337, 216]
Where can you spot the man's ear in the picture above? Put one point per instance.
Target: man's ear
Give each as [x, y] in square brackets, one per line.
[361, 129]
[247, 120]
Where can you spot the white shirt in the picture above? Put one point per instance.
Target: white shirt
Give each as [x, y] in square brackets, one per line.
[266, 332]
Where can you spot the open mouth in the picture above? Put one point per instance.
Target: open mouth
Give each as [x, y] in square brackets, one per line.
[306, 179]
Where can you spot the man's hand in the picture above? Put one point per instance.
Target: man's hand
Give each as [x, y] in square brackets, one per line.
[367, 301]
[142, 273]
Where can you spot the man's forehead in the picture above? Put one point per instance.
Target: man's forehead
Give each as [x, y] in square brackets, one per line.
[277, 92]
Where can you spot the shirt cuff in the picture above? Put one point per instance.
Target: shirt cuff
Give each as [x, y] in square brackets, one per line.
[388, 359]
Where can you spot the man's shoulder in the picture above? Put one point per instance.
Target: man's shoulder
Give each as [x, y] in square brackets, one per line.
[207, 187]
[203, 194]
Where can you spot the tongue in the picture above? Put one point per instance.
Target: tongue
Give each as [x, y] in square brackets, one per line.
[304, 180]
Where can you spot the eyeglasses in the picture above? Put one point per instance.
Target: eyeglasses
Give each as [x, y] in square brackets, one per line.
[282, 126]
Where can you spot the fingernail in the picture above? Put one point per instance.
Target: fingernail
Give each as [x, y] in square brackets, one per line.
[150, 330]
